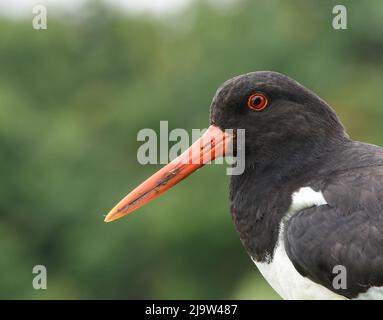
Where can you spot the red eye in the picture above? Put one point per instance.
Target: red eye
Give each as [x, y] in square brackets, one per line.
[257, 102]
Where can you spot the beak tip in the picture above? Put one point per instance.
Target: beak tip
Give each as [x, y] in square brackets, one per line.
[115, 214]
[110, 217]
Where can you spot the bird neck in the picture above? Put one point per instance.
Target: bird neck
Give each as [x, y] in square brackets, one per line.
[261, 196]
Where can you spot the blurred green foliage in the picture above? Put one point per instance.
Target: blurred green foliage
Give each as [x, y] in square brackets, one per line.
[73, 97]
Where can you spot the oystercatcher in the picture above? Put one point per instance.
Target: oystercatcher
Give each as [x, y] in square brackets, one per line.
[310, 200]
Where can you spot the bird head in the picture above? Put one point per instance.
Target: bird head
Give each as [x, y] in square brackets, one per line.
[280, 118]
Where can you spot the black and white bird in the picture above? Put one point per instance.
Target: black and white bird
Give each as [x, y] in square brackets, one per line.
[309, 200]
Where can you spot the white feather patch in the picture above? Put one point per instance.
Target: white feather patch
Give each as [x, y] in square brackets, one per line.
[280, 272]
[305, 198]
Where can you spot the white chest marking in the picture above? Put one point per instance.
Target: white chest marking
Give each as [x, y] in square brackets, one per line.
[281, 273]
[373, 293]
[304, 198]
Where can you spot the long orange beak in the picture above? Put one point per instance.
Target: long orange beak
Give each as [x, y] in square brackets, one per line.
[212, 144]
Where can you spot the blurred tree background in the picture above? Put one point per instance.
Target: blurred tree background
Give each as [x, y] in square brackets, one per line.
[74, 96]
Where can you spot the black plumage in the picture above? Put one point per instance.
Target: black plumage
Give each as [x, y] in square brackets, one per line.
[348, 231]
[298, 141]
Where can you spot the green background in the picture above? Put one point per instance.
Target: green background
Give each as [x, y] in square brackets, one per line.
[74, 96]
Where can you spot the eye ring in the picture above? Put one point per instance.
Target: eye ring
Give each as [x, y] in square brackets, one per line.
[257, 101]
